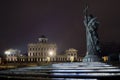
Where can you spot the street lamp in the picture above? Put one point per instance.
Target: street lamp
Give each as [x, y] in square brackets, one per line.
[7, 52]
[51, 53]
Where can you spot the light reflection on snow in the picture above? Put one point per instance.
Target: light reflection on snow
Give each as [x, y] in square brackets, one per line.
[88, 74]
[69, 69]
[72, 79]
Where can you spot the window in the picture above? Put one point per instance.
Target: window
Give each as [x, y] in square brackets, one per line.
[36, 54]
[41, 54]
[53, 48]
[29, 54]
[71, 54]
[33, 54]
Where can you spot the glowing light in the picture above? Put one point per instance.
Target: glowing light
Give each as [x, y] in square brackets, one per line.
[72, 58]
[7, 52]
[48, 59]
[105, 58]
[12, 51]
[51, 53]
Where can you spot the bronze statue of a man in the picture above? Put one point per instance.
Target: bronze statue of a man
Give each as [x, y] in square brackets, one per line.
[91, 25]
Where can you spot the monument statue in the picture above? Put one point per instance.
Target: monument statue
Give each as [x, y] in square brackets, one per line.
[92, 40]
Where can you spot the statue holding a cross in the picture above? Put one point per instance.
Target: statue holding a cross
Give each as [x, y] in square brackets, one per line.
[91, 24]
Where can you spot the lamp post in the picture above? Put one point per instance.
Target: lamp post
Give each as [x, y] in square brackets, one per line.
[51, 53]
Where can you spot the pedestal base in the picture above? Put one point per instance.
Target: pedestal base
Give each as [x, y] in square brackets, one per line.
[91, 58]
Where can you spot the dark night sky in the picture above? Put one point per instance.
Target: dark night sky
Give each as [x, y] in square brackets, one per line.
[23, 21]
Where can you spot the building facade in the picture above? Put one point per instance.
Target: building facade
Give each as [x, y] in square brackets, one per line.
[12, 55]
[42, 50]
[71, 54]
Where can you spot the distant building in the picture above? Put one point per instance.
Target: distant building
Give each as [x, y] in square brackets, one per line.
[41, 50]
[71, 54]
[12, 55]
[45, 51]
[22, 58]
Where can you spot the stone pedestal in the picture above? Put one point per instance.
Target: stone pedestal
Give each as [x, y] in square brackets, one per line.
[91, 58]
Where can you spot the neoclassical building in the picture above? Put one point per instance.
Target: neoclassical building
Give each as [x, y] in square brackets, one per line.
[71, 54]
[42, 50]
[12, 55]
